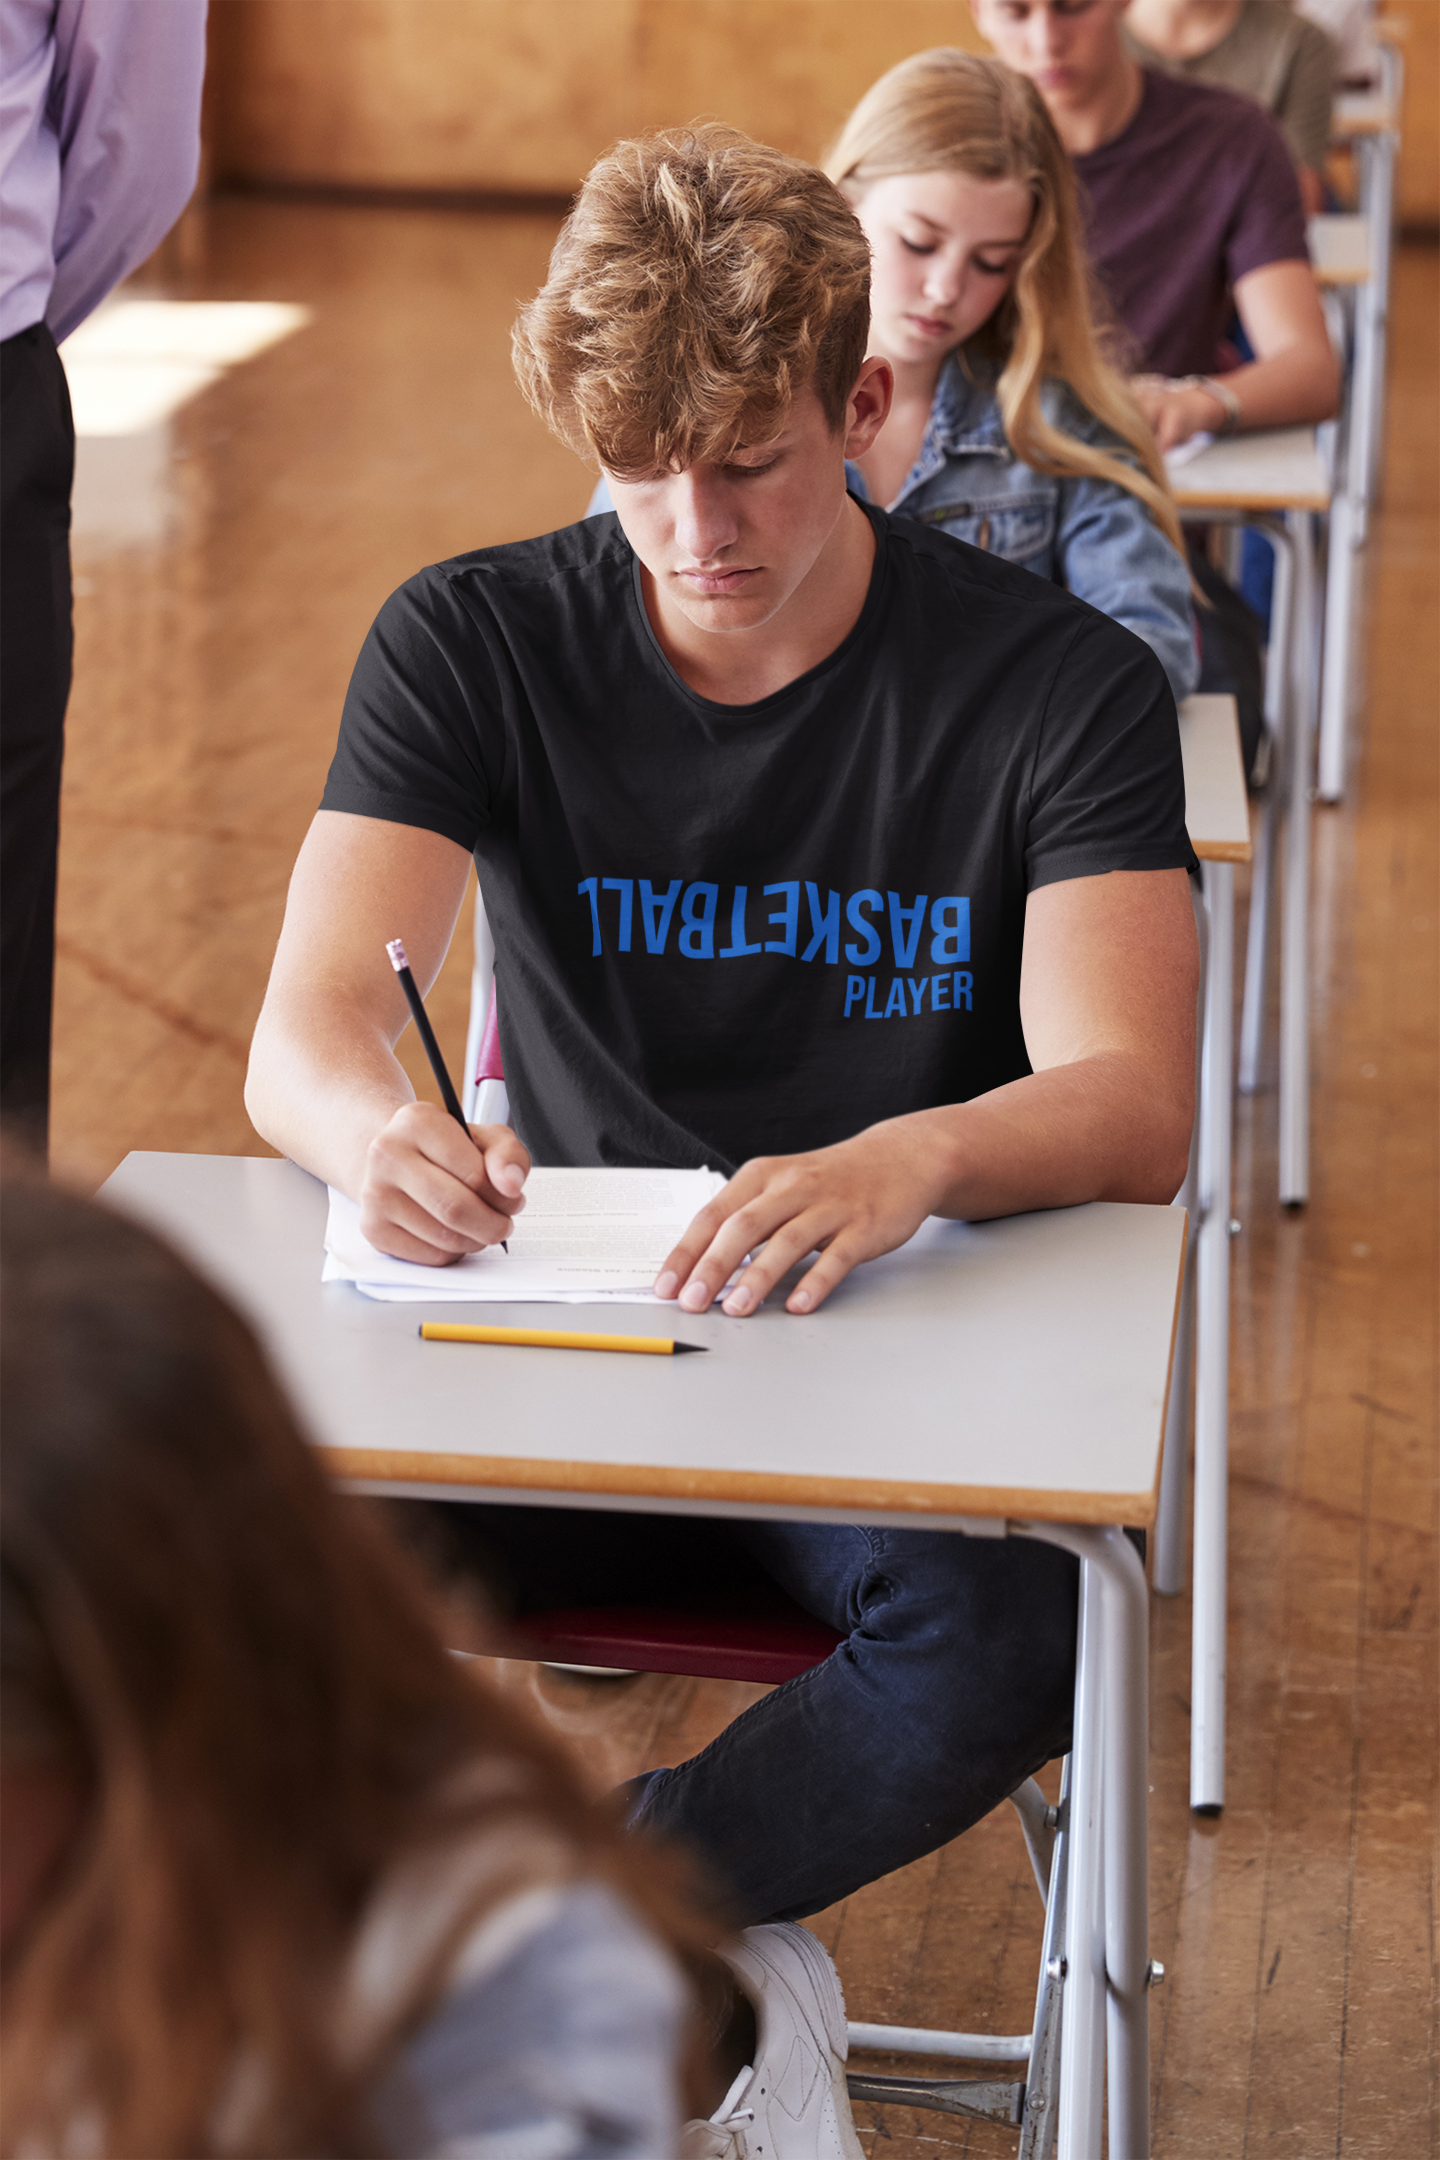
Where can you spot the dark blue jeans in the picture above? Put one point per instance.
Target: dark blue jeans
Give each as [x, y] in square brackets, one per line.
[953, 1685]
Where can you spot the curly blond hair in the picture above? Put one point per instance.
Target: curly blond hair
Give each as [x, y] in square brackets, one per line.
[701, 281]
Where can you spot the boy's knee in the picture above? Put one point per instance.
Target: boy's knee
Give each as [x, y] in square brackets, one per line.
[981, 1642]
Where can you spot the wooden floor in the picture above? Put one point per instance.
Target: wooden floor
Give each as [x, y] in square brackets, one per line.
[266, 526]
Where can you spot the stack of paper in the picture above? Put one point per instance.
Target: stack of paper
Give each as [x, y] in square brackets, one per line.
[583, 1237]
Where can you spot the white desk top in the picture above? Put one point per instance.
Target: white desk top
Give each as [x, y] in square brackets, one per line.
[1217, 809]
[1339, 249]
[1009, 1369]
[1271, 469]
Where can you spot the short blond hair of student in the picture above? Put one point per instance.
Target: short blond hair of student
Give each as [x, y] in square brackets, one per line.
[953, 111]
[701, 282]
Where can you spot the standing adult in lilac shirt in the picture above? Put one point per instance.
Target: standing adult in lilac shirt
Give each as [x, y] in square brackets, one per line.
[99, 146]
[1193, 209]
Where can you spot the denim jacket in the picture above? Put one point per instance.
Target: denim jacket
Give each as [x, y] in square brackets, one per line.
[1096, 539]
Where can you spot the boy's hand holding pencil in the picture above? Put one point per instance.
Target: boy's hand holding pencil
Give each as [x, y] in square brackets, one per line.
[434, 1187]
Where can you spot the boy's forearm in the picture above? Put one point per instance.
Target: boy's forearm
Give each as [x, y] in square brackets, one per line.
[1287, 390]
[1097, 1129]
[322, 1092]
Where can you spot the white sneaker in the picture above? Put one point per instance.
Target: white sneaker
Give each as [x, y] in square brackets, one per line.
[791, 2104]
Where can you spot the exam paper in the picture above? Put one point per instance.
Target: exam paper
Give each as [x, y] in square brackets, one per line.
[584, 1237]
[1185, 453]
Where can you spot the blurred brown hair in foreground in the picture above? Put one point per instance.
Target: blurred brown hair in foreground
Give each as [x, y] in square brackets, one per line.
[699, 284]
[232, 1696]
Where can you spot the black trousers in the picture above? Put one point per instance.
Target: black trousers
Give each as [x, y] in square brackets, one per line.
[953, 1684]
[37, 467]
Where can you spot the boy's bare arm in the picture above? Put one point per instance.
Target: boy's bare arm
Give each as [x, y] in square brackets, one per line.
[324, 1084]
[1107, 997]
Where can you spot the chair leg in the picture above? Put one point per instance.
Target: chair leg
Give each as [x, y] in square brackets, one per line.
[1041, 2117]
[1033, 2103]
[1039, 1823]
[982, 2099]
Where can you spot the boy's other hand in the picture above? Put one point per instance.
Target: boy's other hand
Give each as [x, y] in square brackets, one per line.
[1176, 410]
[849, 1203]
[431, 1195]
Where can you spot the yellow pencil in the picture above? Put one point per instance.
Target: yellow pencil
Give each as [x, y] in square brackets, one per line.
[537, 1338]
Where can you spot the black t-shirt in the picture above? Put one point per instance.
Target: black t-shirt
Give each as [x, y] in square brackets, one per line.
[735, 930]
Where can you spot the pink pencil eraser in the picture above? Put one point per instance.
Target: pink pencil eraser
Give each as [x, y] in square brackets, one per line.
[397, 955]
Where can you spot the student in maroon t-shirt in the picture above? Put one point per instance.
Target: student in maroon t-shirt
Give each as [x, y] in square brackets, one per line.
[1193, 209]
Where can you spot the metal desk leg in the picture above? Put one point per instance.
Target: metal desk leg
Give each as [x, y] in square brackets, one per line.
[1295, 926]
[1169, 1571]
[1279, 708]
[1082, 2030]
[1379, 214]
[1337, 668]
[1109, 1791]
[1212, 1358]
[1346, 538]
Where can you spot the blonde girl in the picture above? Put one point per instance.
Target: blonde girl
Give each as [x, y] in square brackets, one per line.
[1010, 429]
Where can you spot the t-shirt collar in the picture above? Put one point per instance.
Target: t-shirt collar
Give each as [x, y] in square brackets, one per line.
[1153, 86]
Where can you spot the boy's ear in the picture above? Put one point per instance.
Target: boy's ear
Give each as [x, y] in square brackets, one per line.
[869, 405]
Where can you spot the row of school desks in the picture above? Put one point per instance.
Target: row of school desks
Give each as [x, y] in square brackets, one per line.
[1282, 482]
[1025, 1378]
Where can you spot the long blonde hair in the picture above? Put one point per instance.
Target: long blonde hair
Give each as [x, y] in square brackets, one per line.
[952, 111]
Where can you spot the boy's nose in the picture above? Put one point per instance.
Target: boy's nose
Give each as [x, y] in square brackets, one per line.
[704, 521]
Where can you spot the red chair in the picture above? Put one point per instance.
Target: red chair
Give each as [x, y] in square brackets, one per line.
[771, 1639]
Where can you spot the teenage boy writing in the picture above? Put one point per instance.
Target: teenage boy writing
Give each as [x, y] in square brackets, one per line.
[817, 846]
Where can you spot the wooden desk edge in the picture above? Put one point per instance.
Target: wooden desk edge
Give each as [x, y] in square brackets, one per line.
[1222, 850]
[1360, 127]
[754, 1488]
[1230, 499]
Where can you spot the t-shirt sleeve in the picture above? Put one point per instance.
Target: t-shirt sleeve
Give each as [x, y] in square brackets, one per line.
[1304, 108]
[421, 736]
[1107, 787]
[1269, 221]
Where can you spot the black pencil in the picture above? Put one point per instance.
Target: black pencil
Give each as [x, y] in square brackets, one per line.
[427, 1036]
[426, 1033]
